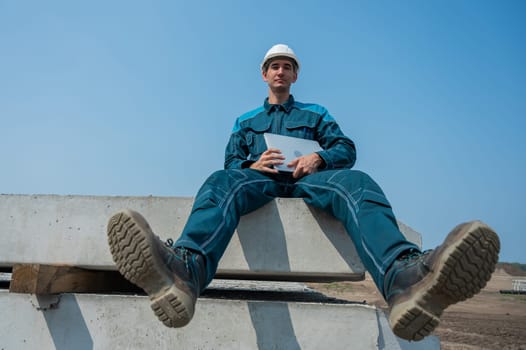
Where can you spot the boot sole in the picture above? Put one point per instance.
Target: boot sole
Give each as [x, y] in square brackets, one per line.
[462, 270]
[135, 251]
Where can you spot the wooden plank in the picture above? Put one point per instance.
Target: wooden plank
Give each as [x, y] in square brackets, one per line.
[53, 279]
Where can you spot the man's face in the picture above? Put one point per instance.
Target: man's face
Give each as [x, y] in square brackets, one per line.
[280, 74]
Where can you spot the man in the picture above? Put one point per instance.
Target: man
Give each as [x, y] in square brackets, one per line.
[417, 285]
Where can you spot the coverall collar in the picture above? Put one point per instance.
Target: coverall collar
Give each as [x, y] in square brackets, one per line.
[287, 106]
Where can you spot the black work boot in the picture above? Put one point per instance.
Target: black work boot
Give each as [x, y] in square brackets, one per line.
[420, 286]
[172, 278]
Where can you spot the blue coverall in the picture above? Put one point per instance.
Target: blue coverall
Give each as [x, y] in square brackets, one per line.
[350, 195]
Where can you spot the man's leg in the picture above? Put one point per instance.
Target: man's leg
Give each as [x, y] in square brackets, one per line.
[174, 275]
[218, 206]
[359, 203]
[417, 286]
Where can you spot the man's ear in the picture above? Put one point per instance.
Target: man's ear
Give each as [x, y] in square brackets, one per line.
[264, 75]
[295, 76]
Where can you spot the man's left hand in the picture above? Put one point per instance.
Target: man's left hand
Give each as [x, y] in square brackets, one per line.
[306, 165]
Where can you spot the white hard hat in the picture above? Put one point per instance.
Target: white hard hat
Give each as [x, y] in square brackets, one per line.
[280, 50]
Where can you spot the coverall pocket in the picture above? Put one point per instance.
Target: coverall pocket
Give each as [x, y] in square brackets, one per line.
[255, 140]
[304, 129]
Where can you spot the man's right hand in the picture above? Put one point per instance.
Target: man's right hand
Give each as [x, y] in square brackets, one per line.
[268, 160]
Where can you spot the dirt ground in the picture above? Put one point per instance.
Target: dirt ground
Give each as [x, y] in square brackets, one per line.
[489, 320]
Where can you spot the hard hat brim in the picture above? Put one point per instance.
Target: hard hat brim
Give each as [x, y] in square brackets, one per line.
[281, 54]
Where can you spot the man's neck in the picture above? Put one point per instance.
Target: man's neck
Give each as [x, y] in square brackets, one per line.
[278, 98]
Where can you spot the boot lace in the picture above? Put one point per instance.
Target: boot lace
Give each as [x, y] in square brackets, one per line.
[169, 243]
[412, 255]
[184, 253]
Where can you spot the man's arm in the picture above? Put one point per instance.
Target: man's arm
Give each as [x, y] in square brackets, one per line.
[236, 153]
[339, 151]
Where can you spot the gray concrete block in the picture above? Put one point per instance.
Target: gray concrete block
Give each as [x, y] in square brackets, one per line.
[83, 321]
[272, 242]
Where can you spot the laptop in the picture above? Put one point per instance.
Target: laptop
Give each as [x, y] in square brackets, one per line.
[291, 148]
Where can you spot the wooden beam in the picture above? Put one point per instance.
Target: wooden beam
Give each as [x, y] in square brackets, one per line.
[53, 279]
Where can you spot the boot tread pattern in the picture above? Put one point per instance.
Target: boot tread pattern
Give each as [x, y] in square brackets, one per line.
[416, 321]
[170, 311]
[468, 271]
[129, 249]
[130, 246]
[463, 274]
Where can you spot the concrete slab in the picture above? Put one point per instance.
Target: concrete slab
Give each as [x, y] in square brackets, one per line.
[271, 242]
[83, 321]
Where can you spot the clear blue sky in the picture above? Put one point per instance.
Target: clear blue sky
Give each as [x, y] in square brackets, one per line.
[139, 98]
